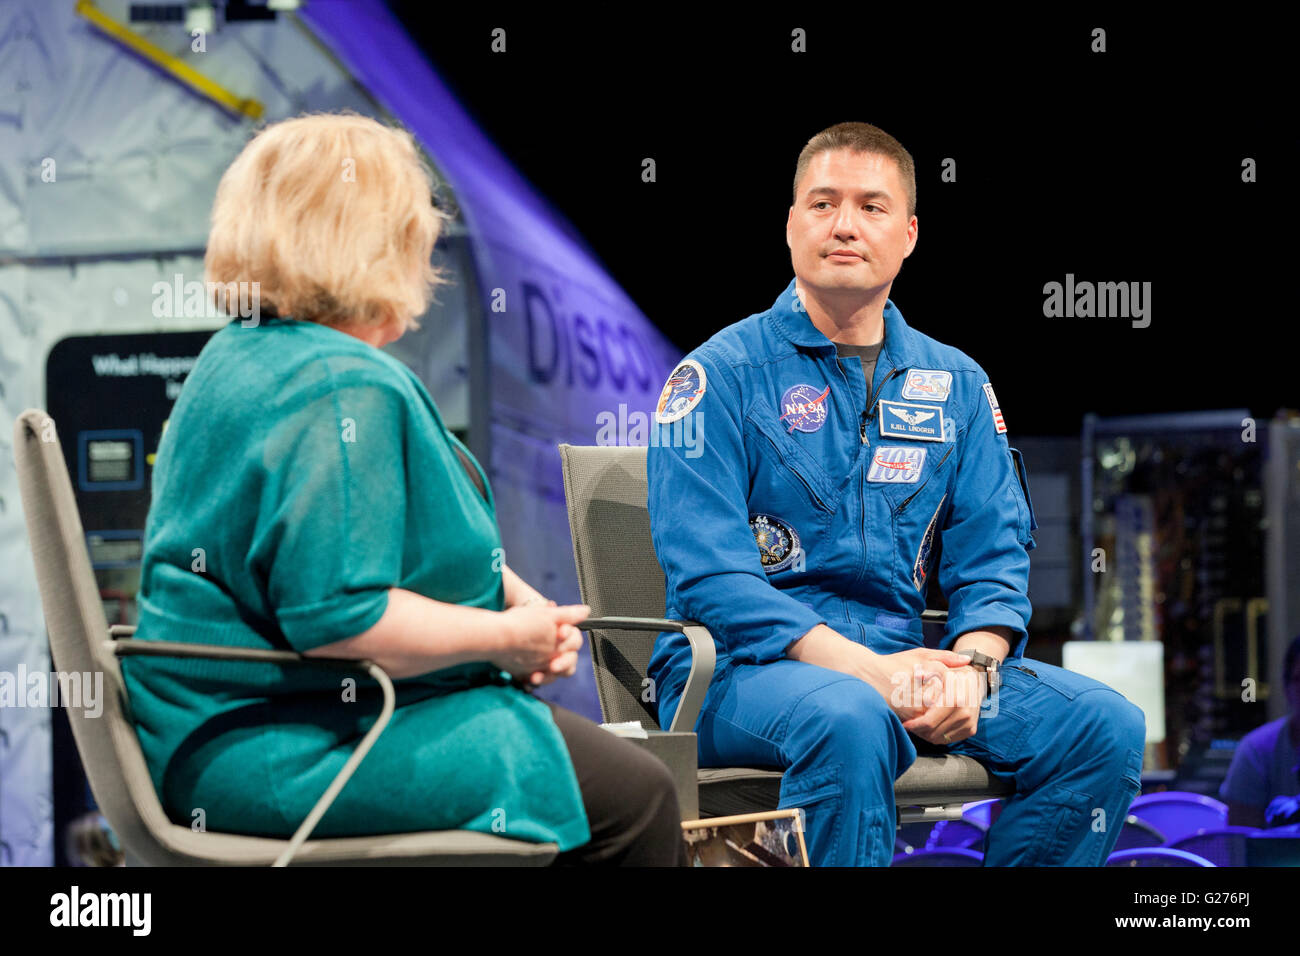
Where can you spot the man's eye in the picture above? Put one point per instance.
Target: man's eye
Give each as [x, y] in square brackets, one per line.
[821, 202]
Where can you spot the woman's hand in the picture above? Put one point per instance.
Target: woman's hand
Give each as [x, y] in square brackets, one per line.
[540, 642]
[518, 591]
[565, 661]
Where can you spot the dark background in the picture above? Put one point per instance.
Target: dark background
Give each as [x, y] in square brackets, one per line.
[1123, 166]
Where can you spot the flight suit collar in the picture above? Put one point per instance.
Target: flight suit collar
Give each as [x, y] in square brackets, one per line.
[794, 325]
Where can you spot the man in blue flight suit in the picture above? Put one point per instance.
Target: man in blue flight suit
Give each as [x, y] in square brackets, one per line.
[800, 532]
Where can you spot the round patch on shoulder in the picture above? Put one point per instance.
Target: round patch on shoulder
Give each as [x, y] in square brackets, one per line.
[778, 543]
[682, 392]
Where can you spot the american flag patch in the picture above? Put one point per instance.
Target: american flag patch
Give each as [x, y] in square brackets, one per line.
[998, 424]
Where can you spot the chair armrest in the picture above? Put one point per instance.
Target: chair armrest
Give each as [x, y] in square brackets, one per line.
[129, 647]
[704, 655]
[121, 630]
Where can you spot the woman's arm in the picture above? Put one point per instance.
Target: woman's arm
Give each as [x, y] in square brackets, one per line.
[417, 635]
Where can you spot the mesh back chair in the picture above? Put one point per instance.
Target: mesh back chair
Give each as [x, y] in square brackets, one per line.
[1156, 856]
[1222, 846]
[1178, 814]
[622, 582]
[82, 642]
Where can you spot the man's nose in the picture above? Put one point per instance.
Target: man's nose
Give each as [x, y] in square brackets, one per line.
[845, 225]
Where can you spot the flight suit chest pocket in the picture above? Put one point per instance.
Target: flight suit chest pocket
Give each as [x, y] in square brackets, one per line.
[782, 470]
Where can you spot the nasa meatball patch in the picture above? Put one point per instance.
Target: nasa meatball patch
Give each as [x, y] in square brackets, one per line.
[682, 392]
[803, 407]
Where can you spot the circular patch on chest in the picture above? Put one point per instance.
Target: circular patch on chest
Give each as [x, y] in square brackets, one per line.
[803, 407]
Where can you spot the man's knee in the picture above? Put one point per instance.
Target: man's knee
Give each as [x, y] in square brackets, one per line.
[848, 716]
[1112, 726]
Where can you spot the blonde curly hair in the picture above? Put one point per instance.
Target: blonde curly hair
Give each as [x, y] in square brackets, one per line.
[332, 215]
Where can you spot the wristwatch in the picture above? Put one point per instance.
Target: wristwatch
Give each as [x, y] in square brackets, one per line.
[987, 664]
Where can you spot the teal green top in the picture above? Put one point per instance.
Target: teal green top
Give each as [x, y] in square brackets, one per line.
[302, 474]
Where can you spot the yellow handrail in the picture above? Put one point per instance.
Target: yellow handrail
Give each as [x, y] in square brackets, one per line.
[171, 64]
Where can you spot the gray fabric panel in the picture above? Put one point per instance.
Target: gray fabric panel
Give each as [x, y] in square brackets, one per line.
[618, 573]
[951, 778]
[180, 846]
[737, 790]
[929, 781]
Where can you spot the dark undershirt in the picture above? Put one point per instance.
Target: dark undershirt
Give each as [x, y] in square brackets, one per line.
[471, 471]
[867, 353]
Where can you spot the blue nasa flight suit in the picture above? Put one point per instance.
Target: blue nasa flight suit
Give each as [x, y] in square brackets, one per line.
[804, 504]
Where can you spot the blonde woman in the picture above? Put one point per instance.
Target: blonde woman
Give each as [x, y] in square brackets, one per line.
[307, 496]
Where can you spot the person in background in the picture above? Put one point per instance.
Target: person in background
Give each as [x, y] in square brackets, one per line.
[1262, 788]
[308, 496]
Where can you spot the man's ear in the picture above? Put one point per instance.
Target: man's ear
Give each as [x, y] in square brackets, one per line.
[789, 219]
[915, 229]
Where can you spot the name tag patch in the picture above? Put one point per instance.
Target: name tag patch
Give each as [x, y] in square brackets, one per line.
[917, 422]
[896, 464]
[929, 385]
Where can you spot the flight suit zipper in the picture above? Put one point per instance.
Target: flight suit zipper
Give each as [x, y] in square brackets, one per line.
[862, 473]
[906, 501]
[862, 488]
[870, 412]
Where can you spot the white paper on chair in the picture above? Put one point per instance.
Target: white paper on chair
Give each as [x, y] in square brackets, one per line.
[628, 728]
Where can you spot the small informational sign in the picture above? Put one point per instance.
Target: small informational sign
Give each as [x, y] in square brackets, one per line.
[110, 396]
[774, 838]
